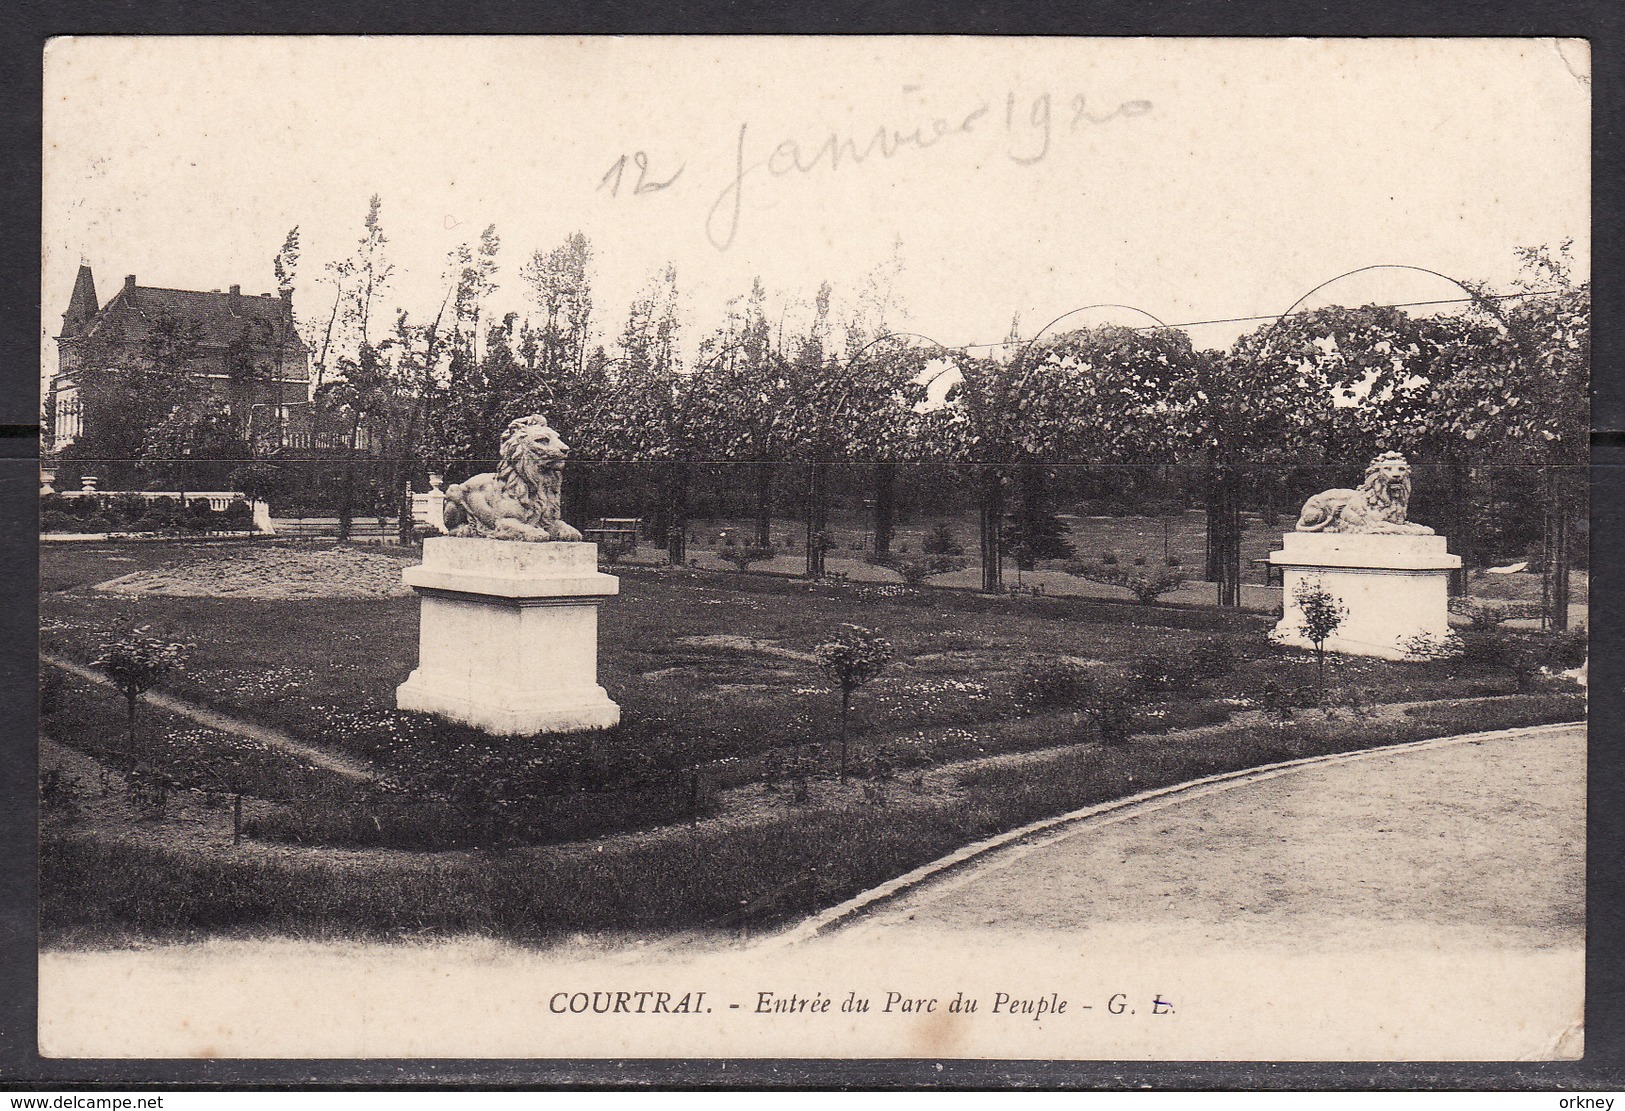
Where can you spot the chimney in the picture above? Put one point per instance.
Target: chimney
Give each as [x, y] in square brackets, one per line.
[129, 283]
[236, 290]
[287, 295]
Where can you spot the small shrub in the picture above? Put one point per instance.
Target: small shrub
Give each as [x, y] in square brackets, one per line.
[1106, 699]
[1322, 613]
[1111, 708]
[1353, 700]
[1278, 700]
[1564, 651]
[743, 555]
[58, 792]
[916, 569]
[1163, 671]
[1213, 658]
[1488, 614]
[850, 661]
[880, 772]
[136, 662]
[84, 507]
[941, 541]
[161, 515]
[149, 785]
[1145, 584]
[1048, 540]
[1427, 646]
[127, 508]
[1052, 683]
[1501, 650]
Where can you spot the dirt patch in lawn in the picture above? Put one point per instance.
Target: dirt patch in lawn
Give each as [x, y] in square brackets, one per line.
[276, 573]
[746, 644]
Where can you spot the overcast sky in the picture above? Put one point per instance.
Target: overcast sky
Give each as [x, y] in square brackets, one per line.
[1195, 179]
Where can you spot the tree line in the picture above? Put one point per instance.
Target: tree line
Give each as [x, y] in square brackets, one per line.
[1500, 384]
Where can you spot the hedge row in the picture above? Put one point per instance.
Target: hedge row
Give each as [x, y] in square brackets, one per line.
[135, 513]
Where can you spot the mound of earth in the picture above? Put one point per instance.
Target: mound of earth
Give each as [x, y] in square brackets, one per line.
[746, 644]
[274, 572]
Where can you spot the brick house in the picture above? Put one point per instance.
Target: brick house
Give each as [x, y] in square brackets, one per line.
[226, 332]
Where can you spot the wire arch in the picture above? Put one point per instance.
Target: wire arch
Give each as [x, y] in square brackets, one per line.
[1085, 308]
[1475, 295]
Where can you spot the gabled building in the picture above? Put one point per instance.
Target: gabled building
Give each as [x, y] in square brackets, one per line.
[243, 347]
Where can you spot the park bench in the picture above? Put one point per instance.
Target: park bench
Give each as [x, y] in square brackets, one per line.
[325, 528]
[618, 533]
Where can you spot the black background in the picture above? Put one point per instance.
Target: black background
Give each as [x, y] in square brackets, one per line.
[24, 28]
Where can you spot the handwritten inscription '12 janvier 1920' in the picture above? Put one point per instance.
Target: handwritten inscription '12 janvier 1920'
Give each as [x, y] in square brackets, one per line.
[1027, 129]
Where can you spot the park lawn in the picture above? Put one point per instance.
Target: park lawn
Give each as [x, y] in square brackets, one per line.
[92, 719]
[67, 565]
[717, 667]
[712, 876]
[724, 713]
[851, 534]
[719, 661]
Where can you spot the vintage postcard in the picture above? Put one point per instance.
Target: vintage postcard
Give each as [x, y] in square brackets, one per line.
[814, 548]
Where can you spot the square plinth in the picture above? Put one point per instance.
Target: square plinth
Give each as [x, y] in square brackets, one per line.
[508, 635]
[1396, 589]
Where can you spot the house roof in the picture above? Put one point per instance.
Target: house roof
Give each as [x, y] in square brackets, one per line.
[221, 318]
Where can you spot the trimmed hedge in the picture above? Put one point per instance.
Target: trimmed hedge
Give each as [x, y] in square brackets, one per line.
[135, 513]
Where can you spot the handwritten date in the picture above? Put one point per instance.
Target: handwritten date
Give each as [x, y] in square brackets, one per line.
[1029, 127]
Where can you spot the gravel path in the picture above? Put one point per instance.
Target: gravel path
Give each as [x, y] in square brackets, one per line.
[1478, 843]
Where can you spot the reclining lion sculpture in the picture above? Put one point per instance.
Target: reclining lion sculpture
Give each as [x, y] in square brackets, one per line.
[1378, 506]
[520, 499]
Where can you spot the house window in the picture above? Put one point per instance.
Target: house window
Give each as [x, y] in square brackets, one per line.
[68, 423]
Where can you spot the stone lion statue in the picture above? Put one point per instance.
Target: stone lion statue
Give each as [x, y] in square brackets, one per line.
[1378, 506]
[520, 500]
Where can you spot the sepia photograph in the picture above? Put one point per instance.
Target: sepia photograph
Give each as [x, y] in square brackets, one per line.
[814, 548]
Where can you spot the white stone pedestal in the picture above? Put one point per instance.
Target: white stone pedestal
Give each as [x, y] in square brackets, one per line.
[508, 640]
[1394, 587]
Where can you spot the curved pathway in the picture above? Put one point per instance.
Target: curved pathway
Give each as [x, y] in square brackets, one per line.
[1458, 841]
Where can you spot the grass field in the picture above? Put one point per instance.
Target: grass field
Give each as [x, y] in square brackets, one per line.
[725, 754]
[706, 663]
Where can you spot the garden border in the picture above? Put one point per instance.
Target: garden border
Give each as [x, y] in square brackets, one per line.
[336, 762]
